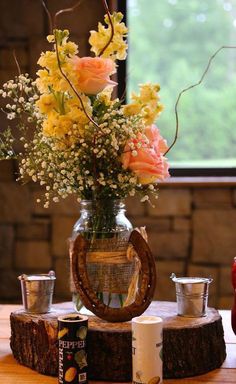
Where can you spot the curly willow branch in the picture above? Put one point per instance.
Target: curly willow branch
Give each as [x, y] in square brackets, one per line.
[17, 62]
[18, 67]
[58, 57]
[190, 87]
[71, 9]
[48, 15]
[71, 85]
[112, 27]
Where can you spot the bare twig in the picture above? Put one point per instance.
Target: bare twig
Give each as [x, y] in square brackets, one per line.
[112, 27]
[71, 9]
[57, 52]
[49, 16]
[60, 12]
[17, 62]
[190, 87]
[71, 85]
[18, 67]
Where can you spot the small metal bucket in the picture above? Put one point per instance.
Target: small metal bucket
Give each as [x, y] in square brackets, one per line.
[191, 295]
[37, 292]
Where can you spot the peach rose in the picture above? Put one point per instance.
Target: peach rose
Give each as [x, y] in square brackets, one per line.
[155, 139]
[148, 161]
[93, 74]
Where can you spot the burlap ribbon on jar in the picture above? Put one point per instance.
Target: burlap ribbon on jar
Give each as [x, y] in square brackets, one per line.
[145, 285]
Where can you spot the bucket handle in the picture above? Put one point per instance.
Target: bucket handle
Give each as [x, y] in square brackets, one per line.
[50, 274]
[174, 278]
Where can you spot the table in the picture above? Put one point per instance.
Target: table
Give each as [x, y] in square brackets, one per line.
[13, 373]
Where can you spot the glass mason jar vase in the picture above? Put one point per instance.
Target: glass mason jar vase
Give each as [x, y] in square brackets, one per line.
[104, 224]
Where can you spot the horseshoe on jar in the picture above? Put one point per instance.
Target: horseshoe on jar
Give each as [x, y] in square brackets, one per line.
[88, 296]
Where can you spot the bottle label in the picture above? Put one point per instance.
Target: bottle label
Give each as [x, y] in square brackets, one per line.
[72, 333]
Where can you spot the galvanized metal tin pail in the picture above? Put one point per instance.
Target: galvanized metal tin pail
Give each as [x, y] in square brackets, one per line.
[37, 292]
[191, 295]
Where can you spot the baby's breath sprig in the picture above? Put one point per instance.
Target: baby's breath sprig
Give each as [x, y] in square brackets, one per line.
[84, 142]
[20, 94]
[6, 145]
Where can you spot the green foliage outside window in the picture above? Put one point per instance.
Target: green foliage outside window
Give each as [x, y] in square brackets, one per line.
[170, 42]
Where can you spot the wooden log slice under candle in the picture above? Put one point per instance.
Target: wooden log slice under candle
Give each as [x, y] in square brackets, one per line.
[191, 346]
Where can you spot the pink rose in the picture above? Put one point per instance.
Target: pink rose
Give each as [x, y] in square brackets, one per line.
[93, 74]
[148, 161]
[155, 139]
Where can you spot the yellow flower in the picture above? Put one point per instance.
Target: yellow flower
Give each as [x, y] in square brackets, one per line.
[105, 96]
[46, 103]
[149, 115]
[48, 60]
[53, 79]
[64, 125]
[70, 48]
[42, 80]
[48, 126]
[132, 109]
[74, 103]
[118, 46]
[51, 76]
[57, 126]
[148, 92]
[77, 115]
[147, 104]
[51, 38]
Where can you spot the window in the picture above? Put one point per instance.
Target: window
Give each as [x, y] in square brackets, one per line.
[170, 42]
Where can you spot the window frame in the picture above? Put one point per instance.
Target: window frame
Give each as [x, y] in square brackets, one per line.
[121, 76]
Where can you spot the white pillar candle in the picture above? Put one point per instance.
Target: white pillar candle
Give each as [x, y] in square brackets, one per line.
[147, 350]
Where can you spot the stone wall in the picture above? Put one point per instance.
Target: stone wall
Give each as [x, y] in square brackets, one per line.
[191, 229]
[192, 232]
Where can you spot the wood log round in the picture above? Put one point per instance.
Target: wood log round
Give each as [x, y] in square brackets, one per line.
[191, 346]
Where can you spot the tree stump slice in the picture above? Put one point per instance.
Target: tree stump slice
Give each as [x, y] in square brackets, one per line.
[191, 346]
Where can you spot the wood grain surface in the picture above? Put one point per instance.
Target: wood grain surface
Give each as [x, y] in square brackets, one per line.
[13, 373]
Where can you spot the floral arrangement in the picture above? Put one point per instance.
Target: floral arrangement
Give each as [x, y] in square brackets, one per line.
[76, 137]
